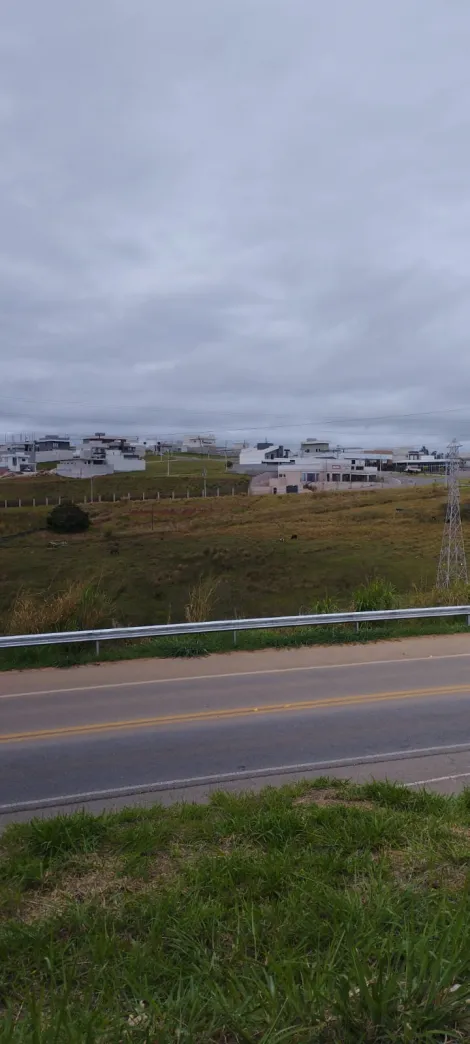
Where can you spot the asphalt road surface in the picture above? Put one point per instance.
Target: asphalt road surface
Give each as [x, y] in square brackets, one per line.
[140, 730]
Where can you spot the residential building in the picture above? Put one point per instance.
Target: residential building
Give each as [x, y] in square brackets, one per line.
[313, 446]
[324, 473]
[265, 456]
[42, 449]
[199, 444]
[103, 455]
[17, 463]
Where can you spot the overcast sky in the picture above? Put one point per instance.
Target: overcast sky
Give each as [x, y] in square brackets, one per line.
[235, 215]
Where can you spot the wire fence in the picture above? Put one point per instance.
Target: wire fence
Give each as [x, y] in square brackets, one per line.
[119, 498]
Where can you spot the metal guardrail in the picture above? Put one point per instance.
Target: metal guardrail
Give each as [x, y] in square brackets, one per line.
[11, 641]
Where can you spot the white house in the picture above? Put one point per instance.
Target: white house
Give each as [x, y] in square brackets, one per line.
[41, 450]
[325, 472]
[17, 463]
[198, 444]
[264, 456]
[101, 455]
[309, 446]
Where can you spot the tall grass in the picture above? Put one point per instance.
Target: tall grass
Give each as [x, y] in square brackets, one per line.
[81, 606]
[202, 599]
[374, 594]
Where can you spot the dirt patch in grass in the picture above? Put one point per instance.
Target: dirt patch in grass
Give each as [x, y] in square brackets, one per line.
[408, 869]
[329, 797]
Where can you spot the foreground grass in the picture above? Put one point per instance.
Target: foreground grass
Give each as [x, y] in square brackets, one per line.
[321, 912]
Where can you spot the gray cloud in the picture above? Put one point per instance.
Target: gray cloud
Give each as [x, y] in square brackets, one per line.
[236, 216]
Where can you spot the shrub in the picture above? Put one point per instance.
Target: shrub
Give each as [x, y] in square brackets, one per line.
[68, 518]
[374, 594]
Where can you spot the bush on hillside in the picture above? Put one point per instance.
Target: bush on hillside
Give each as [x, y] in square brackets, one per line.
[68, 518]
[374, 594]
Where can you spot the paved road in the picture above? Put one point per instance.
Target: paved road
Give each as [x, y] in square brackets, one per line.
[397, 709]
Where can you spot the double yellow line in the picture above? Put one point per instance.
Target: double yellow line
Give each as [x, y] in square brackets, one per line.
[232, 712]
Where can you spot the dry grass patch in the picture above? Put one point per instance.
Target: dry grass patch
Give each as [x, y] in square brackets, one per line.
[330, 797]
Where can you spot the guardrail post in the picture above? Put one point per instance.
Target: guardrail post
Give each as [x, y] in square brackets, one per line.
[97, 648]
[357, 625]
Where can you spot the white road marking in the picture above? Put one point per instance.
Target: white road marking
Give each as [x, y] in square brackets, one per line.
[226, 777]
[230, 674]
[438, 779]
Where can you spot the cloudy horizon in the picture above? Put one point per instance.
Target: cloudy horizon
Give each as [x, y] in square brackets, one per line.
[243, 216]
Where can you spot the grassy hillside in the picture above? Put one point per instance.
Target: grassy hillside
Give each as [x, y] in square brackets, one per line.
[314, 914]
[148, 556]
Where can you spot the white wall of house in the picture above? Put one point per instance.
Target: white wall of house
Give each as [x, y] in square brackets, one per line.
[83, 469]
[120, 461]
[53, 455]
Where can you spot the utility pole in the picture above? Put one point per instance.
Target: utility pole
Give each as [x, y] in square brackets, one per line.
[168, 464]
[452, 561]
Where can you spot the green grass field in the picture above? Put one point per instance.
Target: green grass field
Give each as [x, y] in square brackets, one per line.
[324, 914]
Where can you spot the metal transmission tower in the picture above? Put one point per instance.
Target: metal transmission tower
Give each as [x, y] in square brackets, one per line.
[452, 561]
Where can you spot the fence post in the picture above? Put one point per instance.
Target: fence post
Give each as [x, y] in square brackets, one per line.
[218, 491]
[187, 494]
[34, 501]
[128, 496]
[84, 499]
[47, 501]
[19, 502]
[158, 494]
[60, 501]
[114, 498]
[6, 503]
[143, 495]
[172, 494]
[99, 499]
[233, 491]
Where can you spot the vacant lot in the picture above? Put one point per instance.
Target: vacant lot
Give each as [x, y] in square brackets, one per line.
[323, 914]
[270, 555]
[186, 475]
